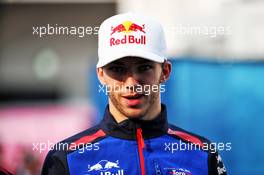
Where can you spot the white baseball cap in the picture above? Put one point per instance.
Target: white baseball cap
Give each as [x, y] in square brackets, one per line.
[130, 34]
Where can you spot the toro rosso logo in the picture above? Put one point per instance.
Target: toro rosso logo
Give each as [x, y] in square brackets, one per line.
[106, 167]
[128, 28]
[177, 171]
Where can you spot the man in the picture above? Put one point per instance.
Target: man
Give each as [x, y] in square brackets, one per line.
[134, 136]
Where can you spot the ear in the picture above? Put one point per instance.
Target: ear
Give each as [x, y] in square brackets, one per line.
[166, 71]
[100, 75]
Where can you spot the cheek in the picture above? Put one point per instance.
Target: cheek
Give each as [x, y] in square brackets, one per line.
[113, 85]
[115, 92]
[152, 77]
[147, 80]
[115, 98]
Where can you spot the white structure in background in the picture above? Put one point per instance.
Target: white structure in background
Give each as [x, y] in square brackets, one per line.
[230, 29]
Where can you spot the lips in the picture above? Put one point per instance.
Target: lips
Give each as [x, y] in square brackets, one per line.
[133, 99]
[133, 96]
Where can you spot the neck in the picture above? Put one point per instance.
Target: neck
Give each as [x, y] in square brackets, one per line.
[152, 112]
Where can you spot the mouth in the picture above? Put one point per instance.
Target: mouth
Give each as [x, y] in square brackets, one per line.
[133, 99]
[133, 96]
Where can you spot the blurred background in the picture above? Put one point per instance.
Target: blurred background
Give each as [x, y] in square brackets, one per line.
[49, 88]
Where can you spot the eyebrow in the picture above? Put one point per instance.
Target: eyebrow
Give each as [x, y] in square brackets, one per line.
[118, 62]
[144, 61]
[138, 62]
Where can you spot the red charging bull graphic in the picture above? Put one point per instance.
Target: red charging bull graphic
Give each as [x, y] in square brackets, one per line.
[119, 28]
[128, 27]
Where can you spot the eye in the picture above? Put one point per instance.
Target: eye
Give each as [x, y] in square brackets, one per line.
[145, 67]
[117, 69]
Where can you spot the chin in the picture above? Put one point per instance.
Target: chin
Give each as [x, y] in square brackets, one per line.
[134, 113]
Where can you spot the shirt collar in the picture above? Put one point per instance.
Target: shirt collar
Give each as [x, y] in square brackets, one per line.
[127, 128]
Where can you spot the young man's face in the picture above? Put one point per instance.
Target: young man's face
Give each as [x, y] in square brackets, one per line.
[134, 85]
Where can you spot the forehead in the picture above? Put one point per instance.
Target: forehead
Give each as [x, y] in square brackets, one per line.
[131, 61]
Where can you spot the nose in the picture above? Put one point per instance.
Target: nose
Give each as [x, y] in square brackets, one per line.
[131, 81]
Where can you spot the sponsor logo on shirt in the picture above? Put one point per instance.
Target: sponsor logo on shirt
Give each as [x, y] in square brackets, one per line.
[105, 167]
[177, 171]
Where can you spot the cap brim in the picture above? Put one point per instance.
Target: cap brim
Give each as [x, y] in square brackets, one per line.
[130, 53]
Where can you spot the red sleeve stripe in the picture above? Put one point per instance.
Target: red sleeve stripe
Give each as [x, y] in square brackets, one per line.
[89, 138]
[186, 137]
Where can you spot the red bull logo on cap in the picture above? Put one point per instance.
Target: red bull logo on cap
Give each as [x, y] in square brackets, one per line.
[128, 27]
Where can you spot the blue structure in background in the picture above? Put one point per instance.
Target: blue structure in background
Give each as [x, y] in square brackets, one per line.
[222, 101]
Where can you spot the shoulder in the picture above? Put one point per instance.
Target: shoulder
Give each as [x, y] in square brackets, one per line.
[187, 136]
[56, 159]
[87, 136]
[74, 142]
[215, 163]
